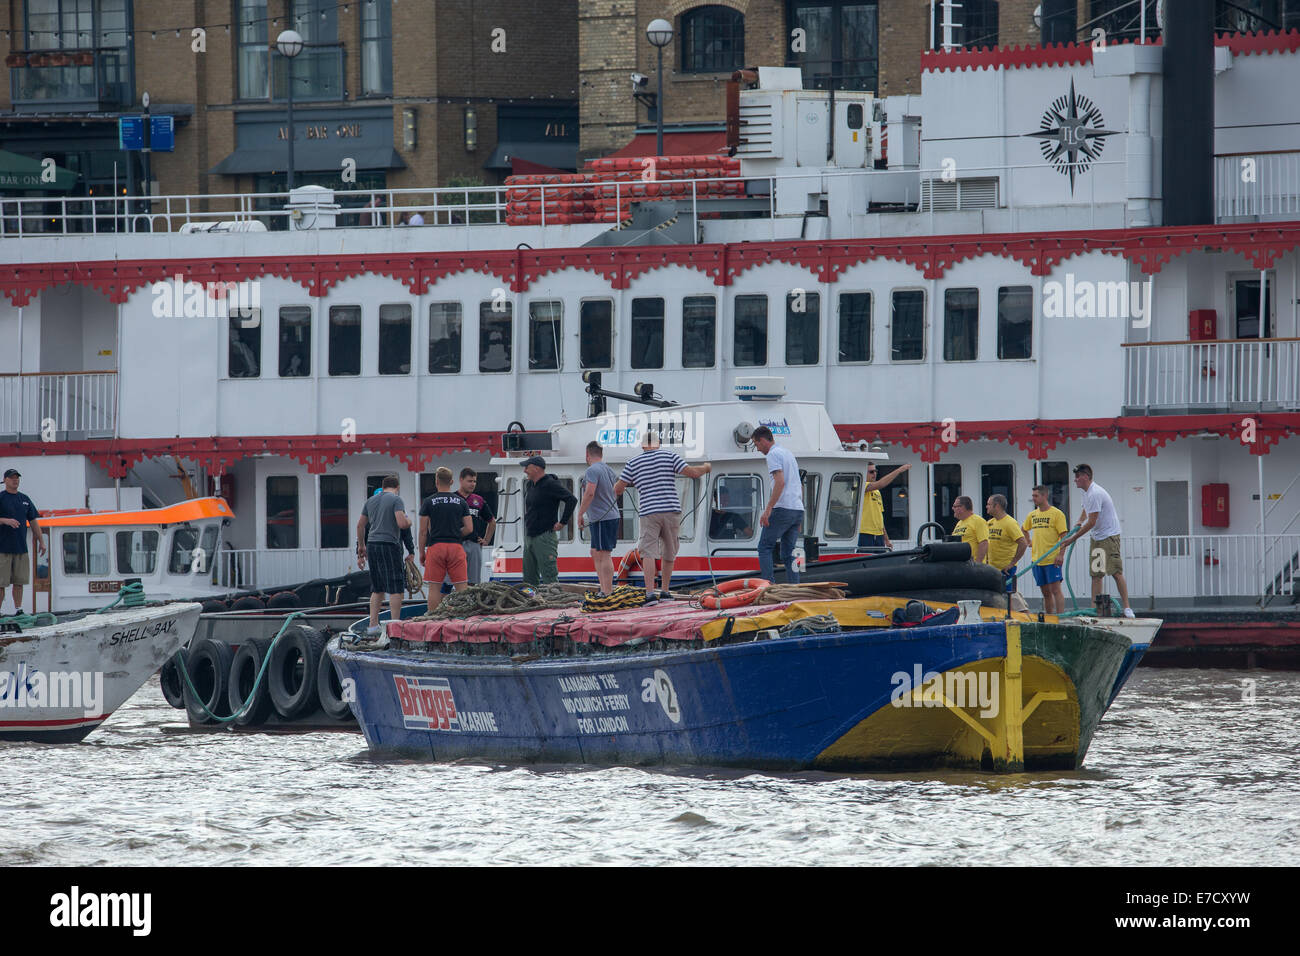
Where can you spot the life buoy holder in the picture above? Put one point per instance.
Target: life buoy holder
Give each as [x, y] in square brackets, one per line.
[731, 594]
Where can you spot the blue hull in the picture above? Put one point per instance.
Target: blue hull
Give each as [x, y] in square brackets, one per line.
[836, 701]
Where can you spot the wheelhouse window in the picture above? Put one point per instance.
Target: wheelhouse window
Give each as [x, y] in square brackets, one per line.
[394, 340]
[334, 531]
[751, 331]
[803, 313]
[907, 326]
[975, 24]
[185, 556]
[544, 335]
[495, 335]
[647, 333]
[734, 508]
[295, 341]
[961, 324]
[253, 50]
[85, 552]
[281, 512]
[713, 40]
[376, 47]
[842, 503]
[345, 340]
[137, 552]
[840, 46]
[855, 327]
[444, 337]
[1015, 322]
[596, 333]
[897, 522]
[812, 486]
[699, 331]
[244, 357]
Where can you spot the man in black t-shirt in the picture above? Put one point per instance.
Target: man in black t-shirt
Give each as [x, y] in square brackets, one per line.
[444, 522]
[16, 513]
[485, 523]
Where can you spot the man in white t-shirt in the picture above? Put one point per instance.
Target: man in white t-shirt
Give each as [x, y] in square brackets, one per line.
[783, 516]
[1099, 518]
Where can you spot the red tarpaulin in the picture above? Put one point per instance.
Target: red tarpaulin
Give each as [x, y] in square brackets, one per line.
[675, 144]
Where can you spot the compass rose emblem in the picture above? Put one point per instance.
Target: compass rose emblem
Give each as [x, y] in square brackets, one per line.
[1071, 134]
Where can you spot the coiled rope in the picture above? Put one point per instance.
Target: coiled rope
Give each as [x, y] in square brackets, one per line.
[494, 597]
[129, 595]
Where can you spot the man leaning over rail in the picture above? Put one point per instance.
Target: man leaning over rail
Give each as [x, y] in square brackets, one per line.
[1098, 517]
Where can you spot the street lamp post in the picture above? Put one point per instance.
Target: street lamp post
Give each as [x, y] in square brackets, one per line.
[289, 45]
[660, 34]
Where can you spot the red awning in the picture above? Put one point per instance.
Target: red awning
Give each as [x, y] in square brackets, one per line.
[675, 144]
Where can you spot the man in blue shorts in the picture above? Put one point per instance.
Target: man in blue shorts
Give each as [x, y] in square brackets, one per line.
[1046, 525]
[599, 509]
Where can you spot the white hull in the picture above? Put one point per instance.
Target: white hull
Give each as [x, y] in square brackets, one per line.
[96, 663]
[1140, 631]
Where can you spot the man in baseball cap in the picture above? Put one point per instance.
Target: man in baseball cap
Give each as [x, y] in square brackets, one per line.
[542, 495]
[16, 513]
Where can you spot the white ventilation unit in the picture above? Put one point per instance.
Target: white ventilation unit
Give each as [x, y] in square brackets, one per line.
[977, 193]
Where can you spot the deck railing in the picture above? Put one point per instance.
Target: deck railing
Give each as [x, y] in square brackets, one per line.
[263, 568]
[1257, 186]
[55, 405]
[1240, 374]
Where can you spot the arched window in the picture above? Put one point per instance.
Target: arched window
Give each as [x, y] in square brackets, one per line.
[713, 40]
[978, 24]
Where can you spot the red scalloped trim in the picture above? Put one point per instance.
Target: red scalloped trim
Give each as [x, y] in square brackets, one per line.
[1255, 44]
[1007, 58]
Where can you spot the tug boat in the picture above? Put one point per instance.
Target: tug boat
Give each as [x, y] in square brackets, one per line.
[59, 681]
[671, 684]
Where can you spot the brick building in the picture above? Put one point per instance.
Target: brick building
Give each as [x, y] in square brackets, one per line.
[415, 99]
[871, 45]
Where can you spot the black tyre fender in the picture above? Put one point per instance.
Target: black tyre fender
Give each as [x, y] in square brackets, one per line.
[209, 669]
[293, 669]
[329, 690]
[214, 607]
[284, 599]
[244, 668]
[922, 576]
[172, 683]
[247, 603]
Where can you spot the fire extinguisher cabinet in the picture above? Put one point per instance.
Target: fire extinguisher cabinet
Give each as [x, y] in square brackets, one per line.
[1203, 325]
[1214, 505]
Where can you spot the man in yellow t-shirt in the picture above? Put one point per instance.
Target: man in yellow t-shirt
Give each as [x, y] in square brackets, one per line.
[871, 529]
[1046, 525]
[971, 528]
[1006, 541]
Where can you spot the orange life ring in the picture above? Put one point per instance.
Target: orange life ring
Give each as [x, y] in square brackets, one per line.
[737, 593]
[631, 562]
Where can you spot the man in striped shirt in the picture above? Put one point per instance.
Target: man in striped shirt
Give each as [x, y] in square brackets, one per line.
[653, 474]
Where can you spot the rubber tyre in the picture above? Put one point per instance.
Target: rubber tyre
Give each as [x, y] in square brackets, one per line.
[329, 691]
[173, 685]
[243, 672]
[209, 667]
[247, 604]
[284, 599]
[214, 607]
[905, 579]
[292, 674]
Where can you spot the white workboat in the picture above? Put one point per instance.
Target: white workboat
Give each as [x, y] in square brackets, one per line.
[61, 681]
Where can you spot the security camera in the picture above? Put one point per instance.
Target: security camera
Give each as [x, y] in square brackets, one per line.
[639, 80]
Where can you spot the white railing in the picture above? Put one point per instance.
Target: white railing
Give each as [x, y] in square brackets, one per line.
[56, 404]
[264, 568]
[1257, 185]
[1235, 568]
[1263, 373]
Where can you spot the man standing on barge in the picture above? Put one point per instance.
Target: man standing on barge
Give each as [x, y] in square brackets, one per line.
[783, 516]
[1099, 518]
[16, 513]
[379, 541]
[542, 495]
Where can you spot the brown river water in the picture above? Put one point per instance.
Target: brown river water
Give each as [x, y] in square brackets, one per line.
[1186, 769]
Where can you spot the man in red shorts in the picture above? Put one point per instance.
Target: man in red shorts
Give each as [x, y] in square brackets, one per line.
[444, 522]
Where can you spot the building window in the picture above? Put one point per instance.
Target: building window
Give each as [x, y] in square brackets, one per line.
[245, 354]
[647, 333]
[596, 333]
[961, 325]
[751, 331]
[282, 512]
[842, 503]
[898, 523]
[1055, 477]
[840, 43]
[394, 340]
[713, 40]
[444, 337]
[295, 341]
[495, 335]
[803, 315]
[334, 511]
[975, 24]
[855, 327]
[1015, 322]
[85, 552]
[699, 331]
[376, 47]
[345, 340]
[318, 69]
[253, 50]
[137, 552]
[947, 488]
[907, 326]
[544, 334]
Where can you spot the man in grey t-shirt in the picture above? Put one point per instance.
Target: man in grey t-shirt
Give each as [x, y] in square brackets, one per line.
[599, 508]
[379, 537]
